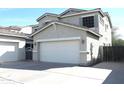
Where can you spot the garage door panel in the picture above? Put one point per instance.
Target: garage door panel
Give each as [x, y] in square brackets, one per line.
[8, 51]
[60, 51]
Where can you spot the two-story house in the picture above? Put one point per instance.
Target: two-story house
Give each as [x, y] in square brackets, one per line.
[73, 36]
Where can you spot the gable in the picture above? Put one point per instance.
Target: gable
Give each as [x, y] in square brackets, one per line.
[66, 25]
[59, 31]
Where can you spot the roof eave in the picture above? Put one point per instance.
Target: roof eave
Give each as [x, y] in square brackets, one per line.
[80, 28]
[91, 11]
[4, 34]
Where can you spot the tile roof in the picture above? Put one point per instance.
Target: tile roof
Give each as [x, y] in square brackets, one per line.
[11, 31]
[11, 28]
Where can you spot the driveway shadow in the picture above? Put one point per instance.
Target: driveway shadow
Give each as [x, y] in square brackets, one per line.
[31, 65]
[117, 74]
[115, 77]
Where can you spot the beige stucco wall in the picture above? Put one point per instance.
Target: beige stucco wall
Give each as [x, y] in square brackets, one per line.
[76, 20]
[59, 31]
[21, 45]
[95, 43]
[72, 19]
[106, 34]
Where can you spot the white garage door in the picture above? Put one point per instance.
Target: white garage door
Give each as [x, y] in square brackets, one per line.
[8, 51]
[60, 51]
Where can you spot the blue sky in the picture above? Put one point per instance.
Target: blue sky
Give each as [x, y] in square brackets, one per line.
[23, 16]
[28, 16]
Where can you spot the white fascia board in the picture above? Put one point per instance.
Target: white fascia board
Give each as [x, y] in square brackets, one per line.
[9, 40]
[12, 35]
[58, 39]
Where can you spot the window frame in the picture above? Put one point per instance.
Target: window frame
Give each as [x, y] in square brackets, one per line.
[88, 21]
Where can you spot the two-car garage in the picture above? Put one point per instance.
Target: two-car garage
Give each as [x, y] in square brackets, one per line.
[63, 43]
[59, 43]
[61, 51]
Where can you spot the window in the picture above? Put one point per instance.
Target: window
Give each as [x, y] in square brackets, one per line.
[102, 21]
[88, 21]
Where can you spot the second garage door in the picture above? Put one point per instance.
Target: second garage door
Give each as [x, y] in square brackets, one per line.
[8, 51]
[60, 51]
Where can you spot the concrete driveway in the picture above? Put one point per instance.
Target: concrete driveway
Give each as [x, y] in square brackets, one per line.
[28, 72]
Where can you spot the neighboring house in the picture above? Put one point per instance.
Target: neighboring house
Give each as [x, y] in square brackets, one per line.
[27, 29]
[15, 43]
[12, 44]
[73, 36]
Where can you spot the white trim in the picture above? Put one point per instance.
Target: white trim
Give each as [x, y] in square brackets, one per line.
[54, 27]
[58, 39]
[5, 34]
[9, 40]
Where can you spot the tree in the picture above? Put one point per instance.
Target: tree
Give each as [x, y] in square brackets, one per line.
[116, 41]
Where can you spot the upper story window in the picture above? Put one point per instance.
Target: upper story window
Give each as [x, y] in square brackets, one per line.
[88, 21]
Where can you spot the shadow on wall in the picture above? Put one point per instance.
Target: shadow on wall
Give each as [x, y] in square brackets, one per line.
[12, 51]
[96, 60]
[8, 52]
[8, 56]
